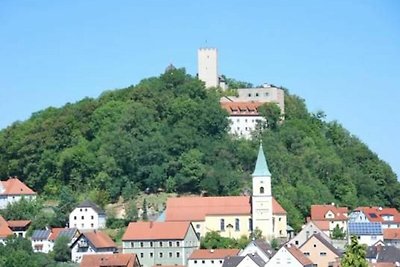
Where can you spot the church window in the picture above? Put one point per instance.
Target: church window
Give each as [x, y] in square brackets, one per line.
[222, 225]
[261, 190]
[237, 224]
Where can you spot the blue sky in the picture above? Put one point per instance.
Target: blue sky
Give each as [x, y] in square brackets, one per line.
[342, 57]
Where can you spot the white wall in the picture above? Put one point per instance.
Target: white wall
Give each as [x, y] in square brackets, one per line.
[243, 126]
[86, 218]
[206, 263]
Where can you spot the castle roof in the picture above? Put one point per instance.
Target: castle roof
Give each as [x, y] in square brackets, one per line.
[261, 168]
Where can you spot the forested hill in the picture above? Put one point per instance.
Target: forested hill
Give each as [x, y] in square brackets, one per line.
[169, 133]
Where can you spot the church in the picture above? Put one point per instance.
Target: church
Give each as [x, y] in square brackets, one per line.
[234, 216]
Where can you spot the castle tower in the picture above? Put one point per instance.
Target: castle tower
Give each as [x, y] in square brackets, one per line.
[261, 200]
[207, 60]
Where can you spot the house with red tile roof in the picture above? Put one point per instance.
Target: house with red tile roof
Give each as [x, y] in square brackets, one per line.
[306, 232]
[290, 256]
[160, 243]
[327, 217]
[110, 260]
[210, 257]
[388, 217]
[5, 231]
[44, 240]
[13, 190]
[234, 216]
[92, 242]
[19, 227]
[320, 251]
[391, 237]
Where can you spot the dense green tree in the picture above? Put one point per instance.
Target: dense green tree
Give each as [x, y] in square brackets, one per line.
[354, 255]
[61, 249]
[338, 233]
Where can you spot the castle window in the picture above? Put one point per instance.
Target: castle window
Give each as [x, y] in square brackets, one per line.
[222, 225]
[261, 190]
[237, 224]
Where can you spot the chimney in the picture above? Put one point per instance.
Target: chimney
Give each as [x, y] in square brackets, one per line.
[211, 250]
[151, 224]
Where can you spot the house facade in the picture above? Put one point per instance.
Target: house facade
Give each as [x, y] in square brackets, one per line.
[19, 227]
[320, 251]
[44, 240]
[259, 247]
[327, 217]
[110, 260]
[388, 217]
[249, 260]
[13, 190]
[234, 216]
[391, 237]
[160, 243]
[87, 216]
[93, 242]
[210, 257]
[5, 231]
[289, 256]
[306, 232]
[367, 232]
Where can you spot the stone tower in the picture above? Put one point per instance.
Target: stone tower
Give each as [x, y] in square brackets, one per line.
[207, 60]
[261, 201]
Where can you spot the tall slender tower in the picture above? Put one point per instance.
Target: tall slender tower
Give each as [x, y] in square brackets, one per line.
[207, 60]
[262, 197]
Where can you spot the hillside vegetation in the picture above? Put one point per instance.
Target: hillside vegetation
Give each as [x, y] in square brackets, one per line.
[169, 133]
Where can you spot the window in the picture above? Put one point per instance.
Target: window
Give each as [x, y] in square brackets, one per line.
[83, 217]
[178, 254]
[261, 190]
[85, 209]
[80, 209]
[306, 253]
[170, 254]
[249, 95]
[245, 120]
[92, 225]
[160, 244]
[161, 255]
[322, 253]
[83, 225]
[280, 219]
[256, 94]
[212, 261]
[177, 243]
[220, 261]
[141, 244]
[132, 245]
[151, 254]
[296, 242]
[197, 226]
[315, 245]
[195, 261]
[203, 261]
[141, 255]
[92, 217]
[222, 225]
[74, 217]
[170, 243]
[250, 224]
[151, 244]
[237, 224]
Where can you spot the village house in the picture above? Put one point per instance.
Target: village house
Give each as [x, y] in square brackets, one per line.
[391, 237]
[93, 242]
[367, 232]
[87, 216]
[388, 217]
[19, 227]
[210, 257]
[234, 216]
[110, 260]
[5, 231]
[44, 240]
[259, 247]
[383, 255]
[13, 190]
[306, 232]
[249, 260]
[327, 217]
[160, 243]
[289, 256]
[321, 252]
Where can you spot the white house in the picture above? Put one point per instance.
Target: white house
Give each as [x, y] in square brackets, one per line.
[160, 243]
[5, 231]
[388, 217]
[306, 232]
[391, 237]
[367, 232]
[210, 257]
[13, 190]
[259, 247]
[249, 260]
[93, 242]
[290, 256]
[40, 241]
[87, 216]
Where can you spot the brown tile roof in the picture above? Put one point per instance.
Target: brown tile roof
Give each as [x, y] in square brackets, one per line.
[99, 239]
[156, 230]
[241, 108]
[109, 260]
[13, 186]
[298, 255]
[318, 212]
[18, 223]
[213, 253]
[4, 229]
[196, 208]
[393, 233]
[374, 214]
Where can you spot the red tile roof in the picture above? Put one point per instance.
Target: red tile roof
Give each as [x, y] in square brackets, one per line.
[318, 212]
[374, 214]
[13, 186]
[322, 225]
[393, 233]
[100, 239]
[156, 230]
[241, 108]
[109, 260]
[196, 208]
[213, 253]
[299, 255]
[54, 233]
[18, 223]
[4, 229]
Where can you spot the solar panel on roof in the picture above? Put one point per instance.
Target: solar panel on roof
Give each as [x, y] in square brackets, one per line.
[40, 234]
[365, 228]
[67, 232]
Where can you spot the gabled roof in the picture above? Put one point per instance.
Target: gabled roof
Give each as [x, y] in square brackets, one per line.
[156, 231]
[322, 225]
[242, 108]
[299, 256]
[98, 239]
[18, 223]
[90, 204]
[109, 260]
[365, 228]
[234, 261]
[5, 231]
[318, 212]
[261, 168]
[59, 232]
[388, 254]
[391, 233]
[197, 208]
[13, 186]
[40, 234]
[213, 253]
[374, 214]
[324, 242]
[264, 246]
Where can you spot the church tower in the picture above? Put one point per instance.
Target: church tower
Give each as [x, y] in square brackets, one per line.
[261, 200]
[207, 60]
